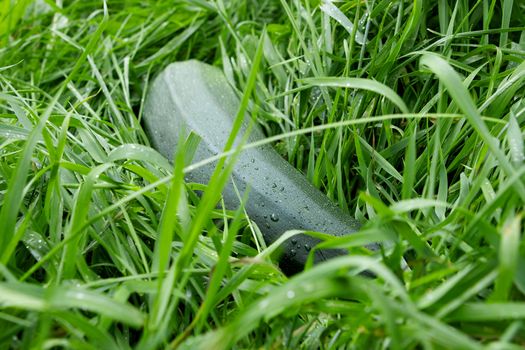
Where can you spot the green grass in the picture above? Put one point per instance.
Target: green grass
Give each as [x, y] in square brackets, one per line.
[408, 114]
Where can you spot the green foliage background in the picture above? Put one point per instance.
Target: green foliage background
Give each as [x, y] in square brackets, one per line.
[103, 244]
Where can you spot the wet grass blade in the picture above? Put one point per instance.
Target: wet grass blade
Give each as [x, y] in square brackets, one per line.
[358, 83]
[32, 297]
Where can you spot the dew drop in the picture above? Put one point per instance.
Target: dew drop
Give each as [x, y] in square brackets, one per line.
[307, 247]
[290, 294]
[293, 252]
[274, 217]
[294, 241]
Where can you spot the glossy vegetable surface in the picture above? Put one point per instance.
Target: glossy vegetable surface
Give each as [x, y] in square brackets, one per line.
[193, 96]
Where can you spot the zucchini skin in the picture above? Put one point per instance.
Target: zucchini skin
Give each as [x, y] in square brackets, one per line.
[193, 96]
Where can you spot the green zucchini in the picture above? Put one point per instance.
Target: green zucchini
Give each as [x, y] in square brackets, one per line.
[193, 96]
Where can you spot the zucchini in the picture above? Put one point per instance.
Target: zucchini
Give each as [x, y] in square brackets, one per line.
[194, 96]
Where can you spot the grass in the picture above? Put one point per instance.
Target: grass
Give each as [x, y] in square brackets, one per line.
[409, 114]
